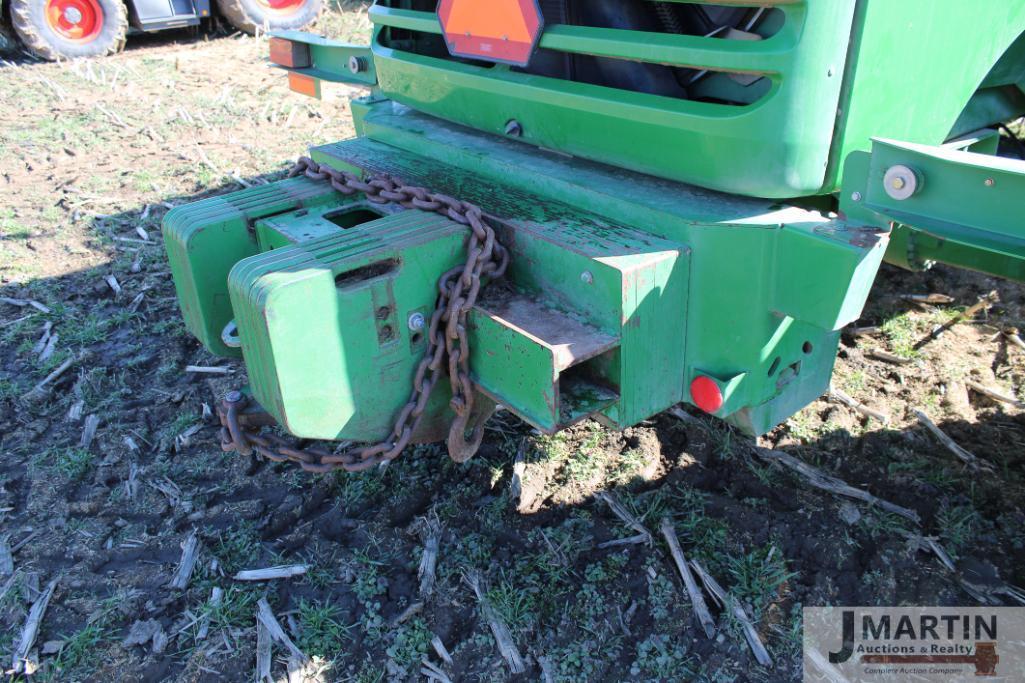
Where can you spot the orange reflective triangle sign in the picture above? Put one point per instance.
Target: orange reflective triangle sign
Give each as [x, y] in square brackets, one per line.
[493, 30]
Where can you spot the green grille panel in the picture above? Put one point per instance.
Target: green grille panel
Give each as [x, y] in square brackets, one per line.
[776, 147]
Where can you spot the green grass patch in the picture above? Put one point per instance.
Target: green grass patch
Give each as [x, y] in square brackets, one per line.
[237, 548]
[516, 606]
[878, 524]
[758, 578]
[179, 424]
[80, 652]
[322, 632]
[901, 332]
[957, 526]
[10, 390]
[356, 489]
[233, 613]
[70, 463]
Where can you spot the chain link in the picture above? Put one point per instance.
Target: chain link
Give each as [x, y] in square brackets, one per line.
[447, 345]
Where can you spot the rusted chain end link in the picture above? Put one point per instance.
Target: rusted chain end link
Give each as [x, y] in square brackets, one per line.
[447, 345]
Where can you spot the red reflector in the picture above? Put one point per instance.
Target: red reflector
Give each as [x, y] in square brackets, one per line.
[706, 394]
[286, 53]
[303, 84]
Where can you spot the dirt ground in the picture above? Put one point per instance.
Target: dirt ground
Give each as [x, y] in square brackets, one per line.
[107, 469]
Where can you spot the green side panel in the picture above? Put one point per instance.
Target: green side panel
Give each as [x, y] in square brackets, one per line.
[629, 286]
[206, 238]
[515, 368]
[918, 64]
[811, 256]
[776, 147]
[800, 379]
[1010, 70]
[834, 73]
[324, 326]
[535, 359]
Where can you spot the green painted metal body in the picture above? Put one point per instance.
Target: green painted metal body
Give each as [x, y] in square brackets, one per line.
[612, 250]
[632, 272]
[335, 304]
[205, 239]
[684, 140]
[836, 73]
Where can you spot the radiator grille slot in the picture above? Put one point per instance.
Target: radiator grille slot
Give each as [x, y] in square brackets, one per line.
[613, 81]
[608, 43]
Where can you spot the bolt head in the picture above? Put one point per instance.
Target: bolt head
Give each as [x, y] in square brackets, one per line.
[233, 396]
[586, 277]
[856, 197]
[73, 15]
[417, 322]
[513, 128]
[990, 182]
[901, 182]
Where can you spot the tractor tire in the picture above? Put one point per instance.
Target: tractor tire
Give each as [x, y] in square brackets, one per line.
[69, 29]
[275, 15]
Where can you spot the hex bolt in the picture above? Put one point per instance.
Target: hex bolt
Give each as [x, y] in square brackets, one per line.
[513, 128]
[586, 277]
[357, 64]
[900, 182]
[990, 182]
[417, 322]
[856, 197]
[233, 396]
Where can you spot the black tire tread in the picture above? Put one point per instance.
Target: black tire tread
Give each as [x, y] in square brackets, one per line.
[236, 14]
[234, 11]
[35, 43]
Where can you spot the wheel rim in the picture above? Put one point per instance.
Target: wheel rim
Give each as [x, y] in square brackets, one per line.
[282, 7]
[79, 21]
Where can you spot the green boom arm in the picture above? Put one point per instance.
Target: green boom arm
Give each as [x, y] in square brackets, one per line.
[329, 60]
[948, 206]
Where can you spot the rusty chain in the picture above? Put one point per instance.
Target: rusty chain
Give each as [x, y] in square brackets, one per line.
[447, 345]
